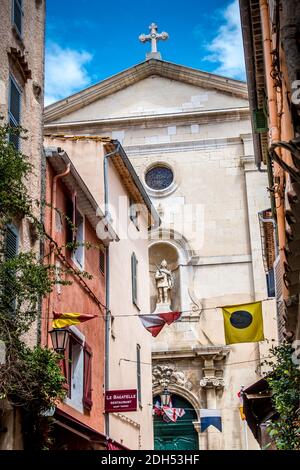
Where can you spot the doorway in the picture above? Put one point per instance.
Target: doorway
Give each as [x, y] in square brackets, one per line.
[180, 435]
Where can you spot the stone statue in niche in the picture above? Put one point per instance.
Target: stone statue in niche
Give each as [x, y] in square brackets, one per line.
[164, 285]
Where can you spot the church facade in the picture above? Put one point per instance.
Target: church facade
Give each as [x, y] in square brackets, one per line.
[188, 135]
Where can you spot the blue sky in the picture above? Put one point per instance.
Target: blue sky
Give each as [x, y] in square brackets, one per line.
[89, 40]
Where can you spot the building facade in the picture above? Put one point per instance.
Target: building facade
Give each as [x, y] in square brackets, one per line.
[188, 135]
[21, 104]
[270, 33]
[271, 43]
[71, 219]
[108, 173]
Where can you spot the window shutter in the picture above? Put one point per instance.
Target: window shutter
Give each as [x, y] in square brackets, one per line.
[70, 220]
[14, 111]
[87, 378]
[271, 283]
[138, 373]
[79, 238]
[102, 261]
[11, 243]
[11, 251]
[17, 15]
[14, 103]
[281, 317]
[260, 121]
[134, 263]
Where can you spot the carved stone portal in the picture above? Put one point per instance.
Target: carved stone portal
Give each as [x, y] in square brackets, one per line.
[165, 375]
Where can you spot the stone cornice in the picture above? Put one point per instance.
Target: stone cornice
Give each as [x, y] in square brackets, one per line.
[185, 117]
[218, 352]
[182, 146]
[139, 72]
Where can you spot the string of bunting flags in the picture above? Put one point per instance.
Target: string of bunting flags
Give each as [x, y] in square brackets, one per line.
[208, 417]
[243, 323]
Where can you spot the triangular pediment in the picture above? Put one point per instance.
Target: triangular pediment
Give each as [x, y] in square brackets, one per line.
[152, 87]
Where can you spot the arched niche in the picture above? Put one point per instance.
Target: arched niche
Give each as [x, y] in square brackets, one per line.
[159, 251]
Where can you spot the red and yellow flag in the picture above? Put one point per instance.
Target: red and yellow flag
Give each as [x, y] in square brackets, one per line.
[61, 320]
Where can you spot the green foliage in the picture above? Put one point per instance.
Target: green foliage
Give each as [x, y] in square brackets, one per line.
[26, 280]
[44, 382]
[30, 378]
[15, 172]
[284, 381]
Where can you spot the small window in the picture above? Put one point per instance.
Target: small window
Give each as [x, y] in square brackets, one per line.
[14, 110]
[133, 213]
[17, 15]
[78, 252]
[102, 261]
[270, 283]
[138, 374]
[134, 267]
[78, 373]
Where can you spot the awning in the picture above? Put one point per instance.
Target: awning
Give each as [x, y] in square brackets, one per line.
[71, 424]
[113, 445]
[258, 406]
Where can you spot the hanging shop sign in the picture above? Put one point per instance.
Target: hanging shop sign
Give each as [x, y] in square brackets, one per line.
[120, 401]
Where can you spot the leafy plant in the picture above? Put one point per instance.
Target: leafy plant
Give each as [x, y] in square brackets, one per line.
[284, 381]
[30, 378]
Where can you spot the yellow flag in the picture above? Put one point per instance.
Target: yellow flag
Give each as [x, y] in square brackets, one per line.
[243, 323]
[242, 414]
[61, 320]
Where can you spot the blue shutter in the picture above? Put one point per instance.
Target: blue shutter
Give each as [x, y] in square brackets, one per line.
[87, 378]
[17, 16]
[11, 243]
[11, 251]
[270, 283]
[14, 110]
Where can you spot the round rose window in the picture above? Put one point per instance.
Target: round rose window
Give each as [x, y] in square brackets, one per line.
[159, 177]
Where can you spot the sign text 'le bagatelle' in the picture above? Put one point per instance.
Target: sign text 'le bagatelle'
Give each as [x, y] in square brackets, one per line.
[120, 401]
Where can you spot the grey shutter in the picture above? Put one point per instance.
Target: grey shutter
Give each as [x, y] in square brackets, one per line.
[138, 373]
[134, 278]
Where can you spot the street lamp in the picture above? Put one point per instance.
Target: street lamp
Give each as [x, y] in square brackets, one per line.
[165, 397]
[59, 338]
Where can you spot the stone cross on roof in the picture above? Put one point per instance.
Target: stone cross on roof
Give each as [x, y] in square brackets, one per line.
[154, 36]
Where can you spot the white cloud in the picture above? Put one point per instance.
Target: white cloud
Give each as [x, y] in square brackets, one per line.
[65, 72]
[226, 48]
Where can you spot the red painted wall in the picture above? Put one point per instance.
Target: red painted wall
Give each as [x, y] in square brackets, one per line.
[74, 298]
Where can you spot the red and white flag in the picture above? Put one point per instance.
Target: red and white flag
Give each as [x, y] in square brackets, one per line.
[157, 409]
[156, 321]
[172, 414]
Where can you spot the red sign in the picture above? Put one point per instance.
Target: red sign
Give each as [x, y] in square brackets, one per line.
[120, 400]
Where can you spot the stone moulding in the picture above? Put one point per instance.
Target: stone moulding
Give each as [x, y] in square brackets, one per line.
[212, 382]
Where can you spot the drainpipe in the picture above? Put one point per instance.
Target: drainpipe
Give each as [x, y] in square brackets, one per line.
[52, 231]
[274, 133]
[107, 280]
